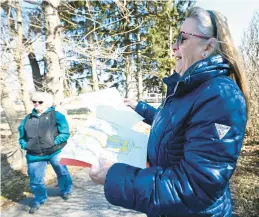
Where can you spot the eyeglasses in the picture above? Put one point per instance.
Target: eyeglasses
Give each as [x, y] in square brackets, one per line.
[180, 38]
[40, 102]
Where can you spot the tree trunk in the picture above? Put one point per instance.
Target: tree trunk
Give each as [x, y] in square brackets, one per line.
[37, 77]
[54, 75]
[127, 79]
[94, 74]
[24, 93]
[11, 150]
[139, 71]
[9, 110]
[171, 53]
[130, 80]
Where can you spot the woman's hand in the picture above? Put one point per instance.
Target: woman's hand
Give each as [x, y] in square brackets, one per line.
[98, 172]
[131, 103]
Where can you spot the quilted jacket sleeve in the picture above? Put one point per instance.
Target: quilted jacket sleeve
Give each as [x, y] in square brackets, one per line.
[146, 111]
[201, 176]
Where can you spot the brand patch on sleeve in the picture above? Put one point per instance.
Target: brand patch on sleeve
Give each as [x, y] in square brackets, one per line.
[222, 130]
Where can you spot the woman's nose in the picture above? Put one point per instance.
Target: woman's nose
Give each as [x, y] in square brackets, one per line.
[175, 47]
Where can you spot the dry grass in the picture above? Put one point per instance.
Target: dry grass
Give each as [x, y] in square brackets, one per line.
[245, 183]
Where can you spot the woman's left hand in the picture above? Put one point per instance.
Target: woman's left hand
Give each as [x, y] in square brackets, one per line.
[98, 172]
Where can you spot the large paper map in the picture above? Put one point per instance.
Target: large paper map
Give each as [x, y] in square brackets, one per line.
[110, 135]
[98, 138]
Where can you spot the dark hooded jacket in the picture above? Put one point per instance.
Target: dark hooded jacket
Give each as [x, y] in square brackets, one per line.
[194, 144]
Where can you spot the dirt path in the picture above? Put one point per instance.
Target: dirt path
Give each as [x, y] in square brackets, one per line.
[87, 200]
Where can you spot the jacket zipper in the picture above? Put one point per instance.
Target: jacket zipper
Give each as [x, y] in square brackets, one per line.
[170, 95]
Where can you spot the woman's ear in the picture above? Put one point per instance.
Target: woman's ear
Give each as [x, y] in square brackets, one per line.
[210, 47]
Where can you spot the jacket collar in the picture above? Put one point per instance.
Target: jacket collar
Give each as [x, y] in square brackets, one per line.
[34, 112]
[197, 74]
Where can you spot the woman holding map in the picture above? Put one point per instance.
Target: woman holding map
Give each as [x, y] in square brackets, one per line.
[196, 134]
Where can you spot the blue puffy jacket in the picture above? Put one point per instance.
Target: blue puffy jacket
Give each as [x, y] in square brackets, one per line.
[194, 143]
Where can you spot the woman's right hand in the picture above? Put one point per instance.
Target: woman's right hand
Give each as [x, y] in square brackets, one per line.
[131, 103]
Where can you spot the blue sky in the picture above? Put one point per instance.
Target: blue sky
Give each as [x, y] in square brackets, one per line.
[238, 12]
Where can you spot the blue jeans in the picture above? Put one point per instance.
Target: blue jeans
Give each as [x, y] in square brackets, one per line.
[36, 172]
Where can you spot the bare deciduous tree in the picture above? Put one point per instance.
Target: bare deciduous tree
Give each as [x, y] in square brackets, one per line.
[250, 52]
[18, 57]
[54, 75]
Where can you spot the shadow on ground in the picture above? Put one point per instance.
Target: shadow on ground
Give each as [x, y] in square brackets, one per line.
[87, 200]
[12, 181]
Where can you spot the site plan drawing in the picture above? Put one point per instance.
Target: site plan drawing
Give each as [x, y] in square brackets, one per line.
[99, 138]
[109, 133]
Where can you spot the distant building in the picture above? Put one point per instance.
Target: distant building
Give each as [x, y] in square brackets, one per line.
[152, 97]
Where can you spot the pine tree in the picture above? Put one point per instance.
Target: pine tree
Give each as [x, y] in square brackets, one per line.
[165, 21]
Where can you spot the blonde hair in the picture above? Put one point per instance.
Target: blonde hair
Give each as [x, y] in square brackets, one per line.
[225, 45]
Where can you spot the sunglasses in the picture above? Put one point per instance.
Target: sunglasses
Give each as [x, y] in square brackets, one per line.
[180, 38]
[40, 102]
